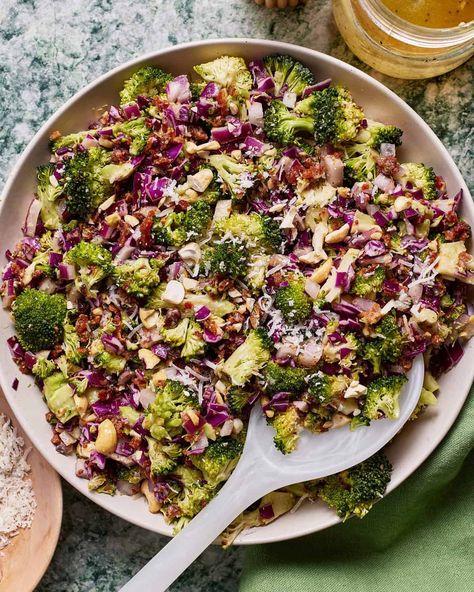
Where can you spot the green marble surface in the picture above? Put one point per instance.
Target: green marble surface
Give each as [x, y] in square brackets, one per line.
[49, 49]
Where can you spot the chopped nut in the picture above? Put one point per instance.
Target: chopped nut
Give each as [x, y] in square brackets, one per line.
[113, 219]
[131, 220]
[148, 317]
[82, 404]
[153, 504]
[189, 284]
[106, 437]
[338, 235]
[193, 416]
[149, 358]
[321, 274]
[105, 205]
[339, 420]
[174, 292]
[402, 203]
[201, 180]
[238, 426]
[192, 148]
[190, 254]
[191, 195]
[355, 390]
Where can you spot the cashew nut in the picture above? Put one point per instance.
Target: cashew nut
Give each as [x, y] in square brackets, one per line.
[174, 292]
[106, 437]
[192, 148]
[201, 180]
[338, 235]
[320, 275]
[153, 504]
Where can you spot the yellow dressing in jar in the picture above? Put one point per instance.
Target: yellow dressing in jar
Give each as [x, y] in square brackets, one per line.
[386, 34]
[437, 14]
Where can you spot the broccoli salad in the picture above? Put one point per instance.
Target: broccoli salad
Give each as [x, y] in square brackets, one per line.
[241, 236]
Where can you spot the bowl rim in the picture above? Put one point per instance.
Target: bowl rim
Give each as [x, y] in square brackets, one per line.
[277, 46]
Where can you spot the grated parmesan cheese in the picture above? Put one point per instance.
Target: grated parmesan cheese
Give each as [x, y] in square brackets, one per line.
[17, 499]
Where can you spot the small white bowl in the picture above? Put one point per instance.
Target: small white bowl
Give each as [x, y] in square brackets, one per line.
[418, 439]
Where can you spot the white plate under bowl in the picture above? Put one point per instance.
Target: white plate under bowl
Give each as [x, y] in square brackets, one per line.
[418, 439]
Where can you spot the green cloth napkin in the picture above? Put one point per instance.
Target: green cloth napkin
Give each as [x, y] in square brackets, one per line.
[417, 539]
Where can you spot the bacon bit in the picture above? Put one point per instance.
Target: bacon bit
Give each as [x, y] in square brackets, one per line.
[161, 161]
[124, 232]
[387, 165]
[172, 316]
[188, 305]
[55, 439]
[55, 135]
[440, 183]
[56, 352]
[198, 134]
[181, 206]
[82, 329]
[119, 155]
[458, 229]
[135, 442]
[373, 315]
[146, 226]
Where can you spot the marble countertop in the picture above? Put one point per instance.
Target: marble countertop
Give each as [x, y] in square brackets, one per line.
[50, 49]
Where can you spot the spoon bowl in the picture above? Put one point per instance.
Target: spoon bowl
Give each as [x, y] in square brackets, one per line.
[262, 469]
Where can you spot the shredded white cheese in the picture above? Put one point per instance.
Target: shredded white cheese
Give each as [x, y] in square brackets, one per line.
[17, 499]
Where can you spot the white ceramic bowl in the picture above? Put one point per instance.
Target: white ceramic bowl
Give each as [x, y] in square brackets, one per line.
[418, 439]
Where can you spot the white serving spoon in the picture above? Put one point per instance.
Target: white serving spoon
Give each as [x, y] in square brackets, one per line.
[262, 469]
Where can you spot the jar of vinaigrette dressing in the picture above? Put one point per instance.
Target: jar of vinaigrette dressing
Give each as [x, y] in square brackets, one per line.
[408, 38]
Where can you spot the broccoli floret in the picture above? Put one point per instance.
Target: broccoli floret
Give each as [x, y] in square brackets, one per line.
[148, 81]
[59, 397]
[336, 117]
[287, 428]
[193, 496]
[320, 387]
[137, 131]
[43, 368]
[360, 164]
[163, 416]
[161, 463]
[139, 277]
[237, 399]
[382, 397]
[235, 175]
[282, 125]
[72, 345]
[47, 195]
[196, 89]
[227, 71]
[228, 258]
[197, 219]
[177, 335]
[316, 418]
[218, 460]
[93, 262]
[252, 228]
[39, 319]
[367, 286]
[194, 344]
[421, 177]
[377, 133]
[170, 231]
[293, 302]
[288, 74]
[248, 358]
[355, 491]
[386, 348]
[133, 475]
[68, 140]
[284, 379]
[85, 186]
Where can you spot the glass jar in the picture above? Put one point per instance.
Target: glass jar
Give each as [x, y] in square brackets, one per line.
[396, 47]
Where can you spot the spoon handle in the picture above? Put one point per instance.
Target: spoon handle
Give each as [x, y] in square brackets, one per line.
[242, 489]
